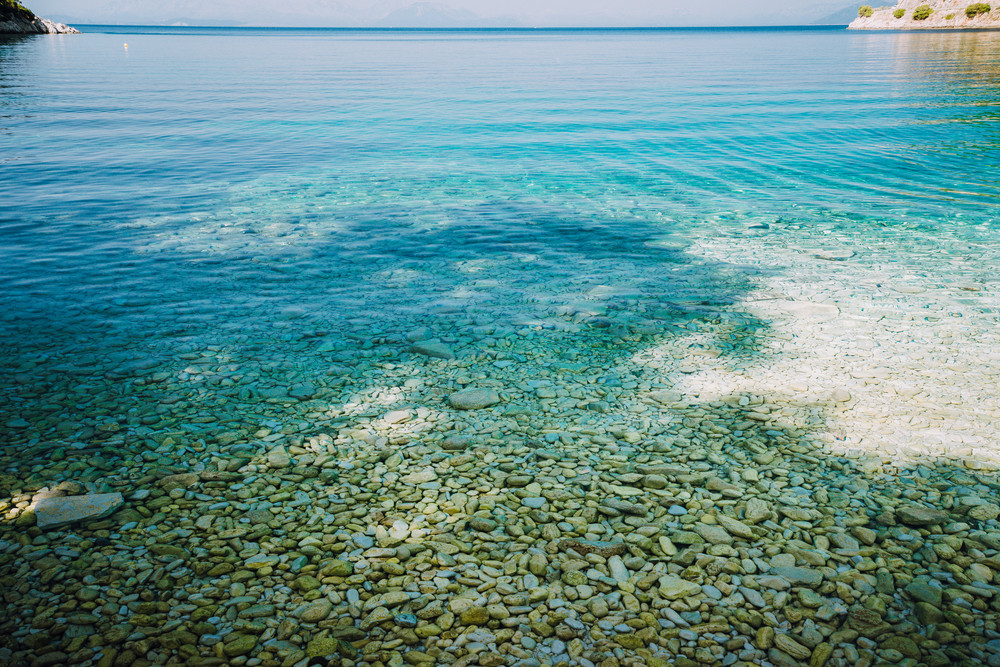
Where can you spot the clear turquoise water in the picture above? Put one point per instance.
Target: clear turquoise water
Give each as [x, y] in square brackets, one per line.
[765, 256]
[258, 189]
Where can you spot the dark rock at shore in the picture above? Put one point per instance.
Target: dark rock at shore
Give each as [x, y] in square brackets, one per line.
[18, 20]
[37, 26]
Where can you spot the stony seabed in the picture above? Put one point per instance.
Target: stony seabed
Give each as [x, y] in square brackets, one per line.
[747, 467]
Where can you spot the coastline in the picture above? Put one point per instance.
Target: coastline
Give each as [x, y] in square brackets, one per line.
[37, 26]
[946, 15]
[17, 20]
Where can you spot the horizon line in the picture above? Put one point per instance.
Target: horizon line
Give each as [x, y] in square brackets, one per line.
[809, 26]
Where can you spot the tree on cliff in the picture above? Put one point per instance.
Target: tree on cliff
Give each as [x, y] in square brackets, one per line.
[16, 19]
[12, 9]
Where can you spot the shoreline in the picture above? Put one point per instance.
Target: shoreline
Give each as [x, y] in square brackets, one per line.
[946, 15]
[35, 26]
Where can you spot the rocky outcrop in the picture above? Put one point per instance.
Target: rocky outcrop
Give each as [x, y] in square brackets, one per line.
[36, 26]
[18, 20]
[944, 14]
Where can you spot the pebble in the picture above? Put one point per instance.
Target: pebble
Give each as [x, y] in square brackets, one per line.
[915, 515]
[618, 570]
[474, 399]
[672, 587]
[798, 576]
[406, 620]
[482, 524]
[316, 611]
[432, 348]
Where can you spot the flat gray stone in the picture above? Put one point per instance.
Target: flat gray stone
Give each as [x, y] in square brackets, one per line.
[737, 528]
[432, 348]
[584, 547]
[625, 507]
[456, 443]
[666, 397]
[713, 534]
[51, 512]
[618, 570]
[316, 611]
[278, 458]
[474, 399]
[423, 333]
[673, 587]
[915, 515]
[844, 541]
[757, 510]
[482, 524]
[773, 582]
[302, 392]
[753, 597]
[798, 576]
[924, 591]
[419, 476]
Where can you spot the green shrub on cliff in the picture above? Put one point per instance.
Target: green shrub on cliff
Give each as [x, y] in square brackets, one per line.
[922, 12]
[12, 9]
[899, 13]
[865, 11]
[972, 11]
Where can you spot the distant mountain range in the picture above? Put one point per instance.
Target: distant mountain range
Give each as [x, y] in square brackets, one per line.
[839, 17]
[228, 13]
[403, 14]
[434, 15]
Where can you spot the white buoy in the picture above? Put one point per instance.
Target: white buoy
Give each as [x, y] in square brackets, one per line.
[126, 46]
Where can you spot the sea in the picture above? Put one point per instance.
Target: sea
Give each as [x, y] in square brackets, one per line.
[260, 195]
[213, 211]
[304, 293]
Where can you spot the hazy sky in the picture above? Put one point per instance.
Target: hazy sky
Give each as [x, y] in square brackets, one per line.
[384, 12]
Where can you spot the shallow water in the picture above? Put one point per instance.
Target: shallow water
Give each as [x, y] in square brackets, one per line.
[217, 246]
[268, 189]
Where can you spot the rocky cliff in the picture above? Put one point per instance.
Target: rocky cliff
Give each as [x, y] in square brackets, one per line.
[906, 15]
[19, 20]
